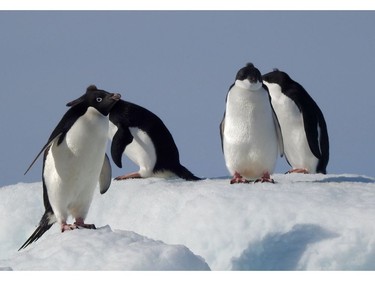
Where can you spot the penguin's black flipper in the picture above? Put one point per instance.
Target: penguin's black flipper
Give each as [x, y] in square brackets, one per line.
[323, 145]
[69, 118]
[119, 142]
[105, 175]
[185, 174]
[42, 150]
[44, 224]
[312, 129]
[222, 126]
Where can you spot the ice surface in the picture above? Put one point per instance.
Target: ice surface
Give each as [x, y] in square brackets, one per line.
[302, 222]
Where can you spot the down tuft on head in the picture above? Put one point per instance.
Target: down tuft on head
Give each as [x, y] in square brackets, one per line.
[91, 88]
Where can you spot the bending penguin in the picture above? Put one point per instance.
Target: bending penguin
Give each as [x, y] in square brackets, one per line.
[144, 138]
[74, 161]
[302, 123]
[250, 134]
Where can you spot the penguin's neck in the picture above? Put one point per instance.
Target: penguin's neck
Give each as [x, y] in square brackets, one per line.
[247, 85]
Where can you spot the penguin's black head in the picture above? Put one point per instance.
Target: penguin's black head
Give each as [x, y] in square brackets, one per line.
[99, 99]
[277, 76]
[249, 77]
[249, 72]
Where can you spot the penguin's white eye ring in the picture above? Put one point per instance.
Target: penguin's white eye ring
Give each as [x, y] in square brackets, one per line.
[99, 99]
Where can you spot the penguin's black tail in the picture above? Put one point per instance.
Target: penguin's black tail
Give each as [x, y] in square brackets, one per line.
[185, 174]
[45, 223]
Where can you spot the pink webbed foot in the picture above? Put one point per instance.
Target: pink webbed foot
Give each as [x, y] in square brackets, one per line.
[237, 178]
[135, 175]
[300, 171]
[265, 178]
[65, 227]
[79, 223]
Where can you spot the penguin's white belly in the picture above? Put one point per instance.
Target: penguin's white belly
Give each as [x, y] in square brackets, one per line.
[72, 169]
[249, 142]
[296, 147]
[141, 151]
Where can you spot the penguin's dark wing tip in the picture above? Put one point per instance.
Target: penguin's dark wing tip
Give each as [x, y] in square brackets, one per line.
[41, 151]
[36, 158]
[44, 225]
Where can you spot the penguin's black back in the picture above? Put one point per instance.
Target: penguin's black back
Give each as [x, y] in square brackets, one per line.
[312, 115]
[126, 114]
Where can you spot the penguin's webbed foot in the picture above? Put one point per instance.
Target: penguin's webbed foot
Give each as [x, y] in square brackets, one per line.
[65, 227]
[265, 178]
[134, 175]
[79, 223]
[298, 170]
[85, 225]
[237, 178]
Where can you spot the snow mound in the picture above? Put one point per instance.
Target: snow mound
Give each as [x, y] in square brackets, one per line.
[302, 222]
[104, 249]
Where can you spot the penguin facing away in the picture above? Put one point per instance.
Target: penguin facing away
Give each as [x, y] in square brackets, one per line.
[143, 137]
[250, 134]
[74, 161]
[304, 130]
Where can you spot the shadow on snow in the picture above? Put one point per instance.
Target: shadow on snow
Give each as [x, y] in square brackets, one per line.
[281, 251]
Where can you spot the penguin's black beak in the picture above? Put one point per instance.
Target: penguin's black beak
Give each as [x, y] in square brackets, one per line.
[116, 97]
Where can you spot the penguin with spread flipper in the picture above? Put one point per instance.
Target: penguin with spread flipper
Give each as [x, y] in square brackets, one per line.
[75, 161]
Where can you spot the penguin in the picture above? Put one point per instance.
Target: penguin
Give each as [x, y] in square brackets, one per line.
[250, 134]
[304, 130]
[74, 161]
[145, 140]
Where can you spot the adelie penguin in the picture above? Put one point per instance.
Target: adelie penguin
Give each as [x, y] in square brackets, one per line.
[74, 161]
[303, 127]
[145, 140]
[250, 134]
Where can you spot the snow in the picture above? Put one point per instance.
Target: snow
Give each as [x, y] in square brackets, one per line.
[302, 222]
[107, 250]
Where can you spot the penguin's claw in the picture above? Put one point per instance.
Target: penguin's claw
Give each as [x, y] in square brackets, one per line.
[84, 225]
[261, 180]
[265, 178]
[239, 180]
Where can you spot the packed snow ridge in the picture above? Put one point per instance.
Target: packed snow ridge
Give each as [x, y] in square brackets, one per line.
[302, 222]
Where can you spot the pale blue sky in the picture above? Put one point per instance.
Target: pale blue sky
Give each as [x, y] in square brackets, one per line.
[180, 65]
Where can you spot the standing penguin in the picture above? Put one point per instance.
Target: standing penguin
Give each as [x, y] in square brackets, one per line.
[250, 133]
[144, 138]
[74, 161]
[302, 124]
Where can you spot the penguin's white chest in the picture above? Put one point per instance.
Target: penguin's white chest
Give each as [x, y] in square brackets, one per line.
[296, 147]
[249, 138]
[72, 169]
[140, 151]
